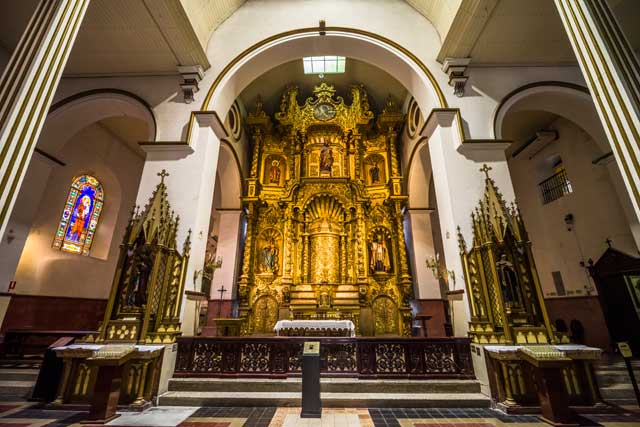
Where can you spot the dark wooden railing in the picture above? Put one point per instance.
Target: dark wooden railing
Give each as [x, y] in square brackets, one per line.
[20, 343]
[279, 357]
[554, 187]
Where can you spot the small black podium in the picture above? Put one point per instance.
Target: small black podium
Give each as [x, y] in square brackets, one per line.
[311, 404]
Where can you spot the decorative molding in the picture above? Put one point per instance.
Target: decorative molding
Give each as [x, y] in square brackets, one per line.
[455, 68]
[191, 76]
[181, 147]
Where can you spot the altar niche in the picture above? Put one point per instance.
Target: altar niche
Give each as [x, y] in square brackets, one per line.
[324, 208]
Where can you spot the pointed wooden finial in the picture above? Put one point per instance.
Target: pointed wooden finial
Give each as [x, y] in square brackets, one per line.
[163, 174]
[486, 170]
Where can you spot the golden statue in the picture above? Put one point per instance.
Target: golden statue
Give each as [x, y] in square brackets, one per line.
[329, 240]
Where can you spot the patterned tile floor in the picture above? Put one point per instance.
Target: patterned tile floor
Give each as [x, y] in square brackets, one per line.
[21, 414]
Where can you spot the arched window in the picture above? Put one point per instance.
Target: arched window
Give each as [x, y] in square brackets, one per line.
[80, 216]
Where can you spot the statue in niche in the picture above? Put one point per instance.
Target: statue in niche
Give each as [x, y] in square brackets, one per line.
[136, 295]
[269, 258]
[374, 173]
[326, 158]
[508, 283]
[379, 255]
[274, 172]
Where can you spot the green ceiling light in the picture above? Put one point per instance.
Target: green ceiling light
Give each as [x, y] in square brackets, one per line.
[324, 64]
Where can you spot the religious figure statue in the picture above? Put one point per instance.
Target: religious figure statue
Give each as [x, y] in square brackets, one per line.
[274, 172]
[374, 173]
[269, 258]
[326, 158]
[508, 283]
[379, 255]
[79, 219]
[137, 295]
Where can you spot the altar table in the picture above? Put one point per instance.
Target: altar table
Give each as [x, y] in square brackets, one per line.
[325, 328]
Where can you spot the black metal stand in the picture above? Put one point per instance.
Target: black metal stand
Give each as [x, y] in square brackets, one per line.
[311, 404]
[632, 377]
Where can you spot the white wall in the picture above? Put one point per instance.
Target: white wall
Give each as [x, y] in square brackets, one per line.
[43, 270]
[597, 212]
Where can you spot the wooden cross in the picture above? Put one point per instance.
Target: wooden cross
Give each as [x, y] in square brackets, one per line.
[222, 290]
[486, 170]
[162, 174]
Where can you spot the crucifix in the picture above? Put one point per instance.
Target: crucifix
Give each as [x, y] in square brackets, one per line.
[222, 290]
[486, 170]
[163, 174]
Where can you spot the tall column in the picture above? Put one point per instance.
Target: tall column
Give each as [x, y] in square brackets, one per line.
[27, 87]
[459, 186]
[611, 70]
[190, 186]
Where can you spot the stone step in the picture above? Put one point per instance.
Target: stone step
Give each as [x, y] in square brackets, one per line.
[19, 375]
[612, 377]
[329, 400]
[329, 385]
[617, 391]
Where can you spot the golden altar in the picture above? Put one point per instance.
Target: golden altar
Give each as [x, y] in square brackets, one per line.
[324, 207]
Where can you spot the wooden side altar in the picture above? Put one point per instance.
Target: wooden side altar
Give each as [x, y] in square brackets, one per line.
[121, 363]
[509, 326]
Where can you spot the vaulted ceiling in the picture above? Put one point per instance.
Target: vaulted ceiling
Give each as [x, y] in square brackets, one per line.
[155, 36]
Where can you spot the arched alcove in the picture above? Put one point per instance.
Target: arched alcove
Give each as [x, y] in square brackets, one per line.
[569, 190]
[92, 133]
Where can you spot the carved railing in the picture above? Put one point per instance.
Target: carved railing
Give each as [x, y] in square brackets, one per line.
[352, 357]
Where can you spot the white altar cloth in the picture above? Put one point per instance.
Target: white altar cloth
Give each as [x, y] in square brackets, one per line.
[315, 324]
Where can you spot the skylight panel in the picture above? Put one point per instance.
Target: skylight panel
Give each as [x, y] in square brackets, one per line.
[329, 64]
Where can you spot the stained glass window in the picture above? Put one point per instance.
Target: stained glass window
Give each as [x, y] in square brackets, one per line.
[80, 216]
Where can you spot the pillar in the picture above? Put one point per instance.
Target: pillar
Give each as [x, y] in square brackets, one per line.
[27, 87]
[459, 186]
[190, 185]
[611, 71]
[422, 247]
[228, 250]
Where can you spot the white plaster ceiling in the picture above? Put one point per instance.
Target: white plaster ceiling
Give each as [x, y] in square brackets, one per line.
[523, 32]
[272, 84]
[154, 36]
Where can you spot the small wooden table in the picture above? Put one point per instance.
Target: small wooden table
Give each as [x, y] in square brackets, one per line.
[549, 363]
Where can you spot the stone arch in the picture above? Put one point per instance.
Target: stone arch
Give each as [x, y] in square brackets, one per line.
[419, 176]
[570, 101]
[230, 176]
[362, 45]
[68, 116]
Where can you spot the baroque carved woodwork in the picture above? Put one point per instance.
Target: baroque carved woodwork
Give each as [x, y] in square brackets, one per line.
[324, 205]
[505, 298]
[148, 286]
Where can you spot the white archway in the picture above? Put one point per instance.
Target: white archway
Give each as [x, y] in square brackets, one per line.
[361, 45]
[569, 101]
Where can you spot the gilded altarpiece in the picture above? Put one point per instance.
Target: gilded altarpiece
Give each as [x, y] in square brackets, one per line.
[324, 208]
